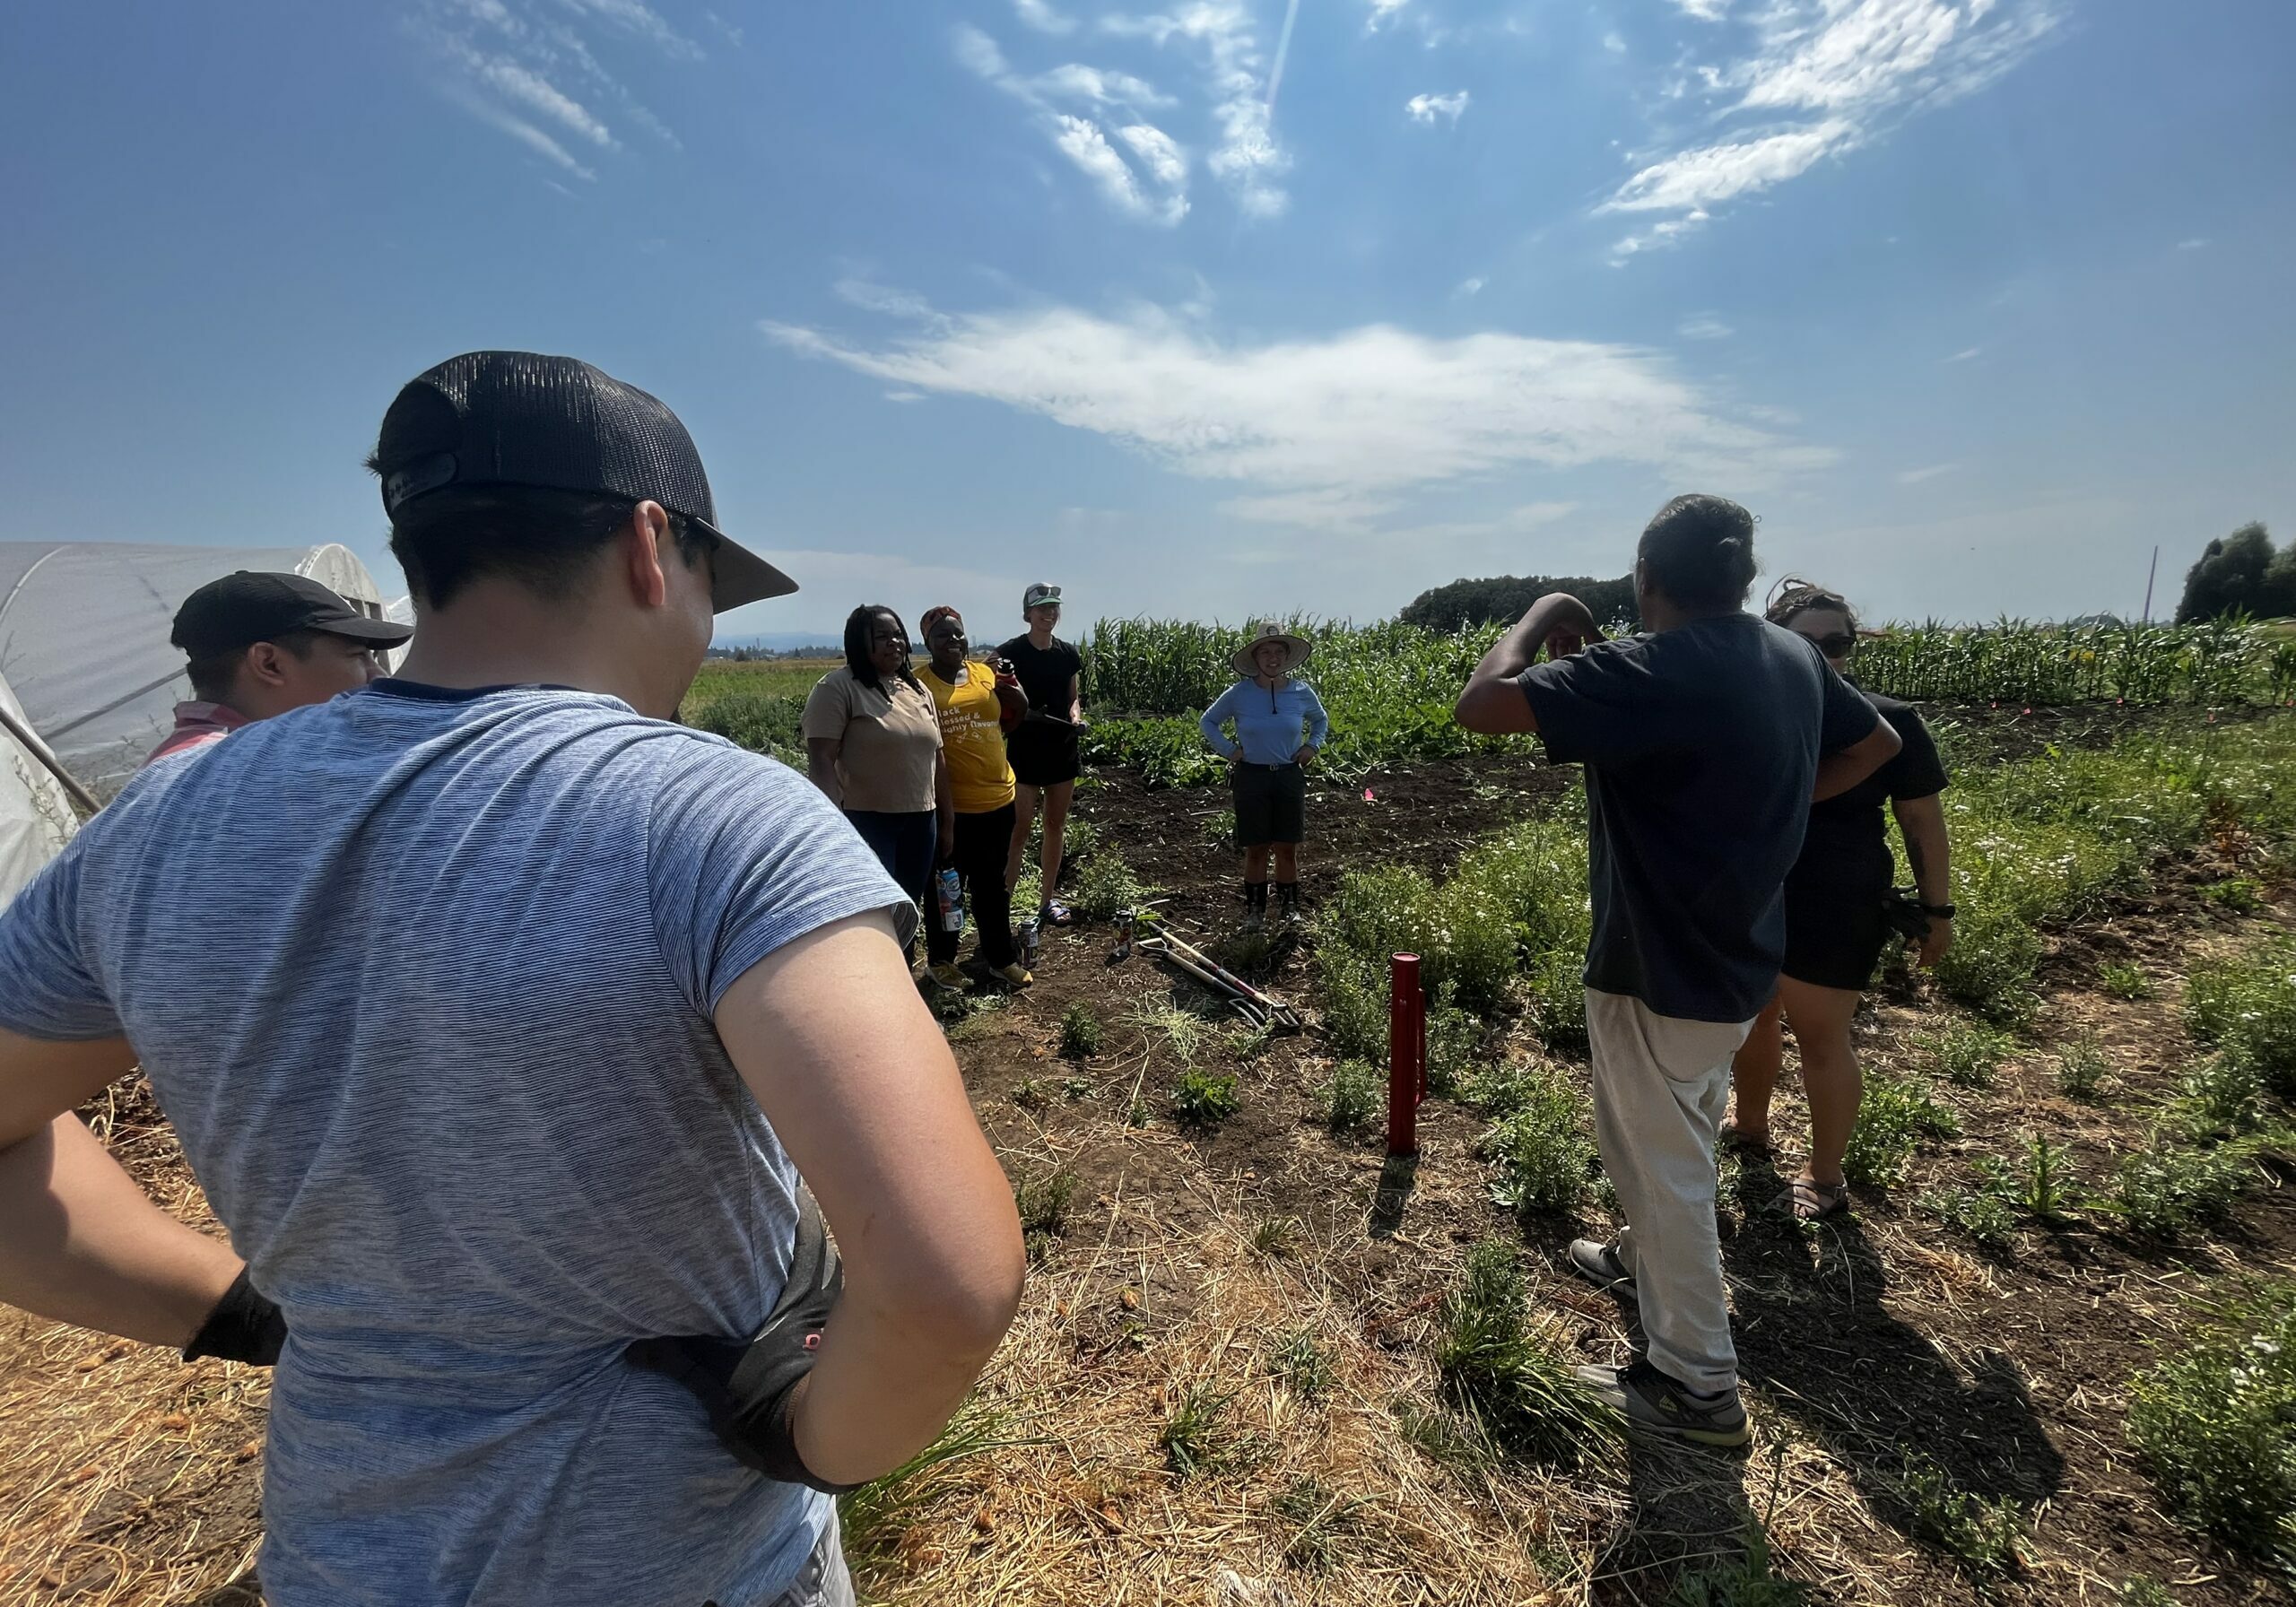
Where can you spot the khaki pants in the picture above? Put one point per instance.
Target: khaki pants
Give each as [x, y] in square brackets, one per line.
[1661, 1084]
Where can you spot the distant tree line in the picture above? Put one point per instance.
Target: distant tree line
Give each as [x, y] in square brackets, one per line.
[2241, 573]
[1506, 597]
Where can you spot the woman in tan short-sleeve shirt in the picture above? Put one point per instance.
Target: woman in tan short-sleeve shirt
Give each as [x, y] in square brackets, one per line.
[872, 744]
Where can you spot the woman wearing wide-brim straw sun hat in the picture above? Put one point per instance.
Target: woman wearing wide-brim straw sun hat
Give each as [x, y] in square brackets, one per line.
[1279, 724]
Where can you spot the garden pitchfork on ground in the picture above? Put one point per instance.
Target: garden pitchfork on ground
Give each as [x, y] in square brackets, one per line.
[1260, 1008]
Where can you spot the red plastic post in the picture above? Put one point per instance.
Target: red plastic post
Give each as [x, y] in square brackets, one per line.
[1420, 1035]
[1406, 1054]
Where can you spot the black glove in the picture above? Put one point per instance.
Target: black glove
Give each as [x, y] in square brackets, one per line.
[746, 1389]
[244, 1326]
[1905, 914]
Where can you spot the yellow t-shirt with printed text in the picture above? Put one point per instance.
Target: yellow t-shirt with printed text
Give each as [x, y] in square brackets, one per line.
[972, 737]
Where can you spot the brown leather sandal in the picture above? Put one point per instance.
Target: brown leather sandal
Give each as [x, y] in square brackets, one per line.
[1807, 1200]
[1731, 1136]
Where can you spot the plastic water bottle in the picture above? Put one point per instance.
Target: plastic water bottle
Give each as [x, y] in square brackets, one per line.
[1031, 942]
[952, 900]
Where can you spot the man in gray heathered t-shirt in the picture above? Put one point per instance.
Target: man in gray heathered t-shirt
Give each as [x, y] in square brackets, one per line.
[504, 1047]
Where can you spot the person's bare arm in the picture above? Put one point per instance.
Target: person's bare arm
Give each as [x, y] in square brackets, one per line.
[1077, 699]
[848, 1065]
[1844, 768]
[1492, 702]
[82, 1243]
[821, 754]
[1929, 850]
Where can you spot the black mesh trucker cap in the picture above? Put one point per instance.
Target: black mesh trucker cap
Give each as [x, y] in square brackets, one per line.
[554, 423]
[255, 605]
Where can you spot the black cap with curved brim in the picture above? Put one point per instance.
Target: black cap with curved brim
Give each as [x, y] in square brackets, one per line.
[555, 423]
[256, 605]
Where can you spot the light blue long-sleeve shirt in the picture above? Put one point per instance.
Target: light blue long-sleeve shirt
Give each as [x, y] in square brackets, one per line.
[1269, 723]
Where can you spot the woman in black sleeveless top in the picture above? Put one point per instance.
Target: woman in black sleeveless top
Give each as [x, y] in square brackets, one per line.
[1044, 747]
[1837, 922]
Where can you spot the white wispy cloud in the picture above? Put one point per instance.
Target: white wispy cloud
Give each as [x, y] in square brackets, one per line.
[494, 117]
[1042, 17]
[526, 68]
[1915, 476]
[1075, 81]
[1245, 158]
[1704, 326]
[1083, 142]
[1471, 286]
[1712, 173]
[1613, 43]
[643, 20]
[1158, 153]
[1324, 430]
[530, 93]
[1383, 12]
[2197, 243]
[872, 297]
[1967, 352]
[905, 396]
[1426, 109]
[1847, 69]
[1157, 193]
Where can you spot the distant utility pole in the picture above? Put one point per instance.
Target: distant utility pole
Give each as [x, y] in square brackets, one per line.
[2149, 577]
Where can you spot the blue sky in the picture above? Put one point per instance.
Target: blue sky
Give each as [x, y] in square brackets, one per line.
[1217, 309]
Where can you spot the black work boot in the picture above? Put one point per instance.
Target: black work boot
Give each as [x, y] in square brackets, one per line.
[1255, 905]
[1287, 900]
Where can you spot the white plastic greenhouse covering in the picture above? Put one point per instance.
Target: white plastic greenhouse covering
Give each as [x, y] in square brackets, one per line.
[36, 817]
[84, 648]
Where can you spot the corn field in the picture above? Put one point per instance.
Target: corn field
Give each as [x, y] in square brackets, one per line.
[2216, 664]
[1170, 667]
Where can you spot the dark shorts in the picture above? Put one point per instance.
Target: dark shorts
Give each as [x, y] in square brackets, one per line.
[1271, 804]
[1834, 937]
[1042, 758]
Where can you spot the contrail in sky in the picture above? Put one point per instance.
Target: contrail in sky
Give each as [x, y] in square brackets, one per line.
[1282, 48]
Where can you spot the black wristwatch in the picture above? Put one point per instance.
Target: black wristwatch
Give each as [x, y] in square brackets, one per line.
[1943, 912]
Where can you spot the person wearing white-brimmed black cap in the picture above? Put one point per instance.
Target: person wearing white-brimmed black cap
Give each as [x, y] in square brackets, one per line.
[501, 1039]
[260, 644]
[1044, 747]
[1279, 724]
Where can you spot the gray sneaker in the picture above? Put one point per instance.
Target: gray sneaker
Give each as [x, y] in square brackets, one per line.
[1651, 1400]
[1598, 1264]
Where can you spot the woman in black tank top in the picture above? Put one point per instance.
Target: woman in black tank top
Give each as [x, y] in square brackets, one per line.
[1838, 920]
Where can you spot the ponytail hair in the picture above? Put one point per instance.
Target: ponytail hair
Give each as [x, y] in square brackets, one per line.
[1794, 595]
[1699, 550]
[859, 641]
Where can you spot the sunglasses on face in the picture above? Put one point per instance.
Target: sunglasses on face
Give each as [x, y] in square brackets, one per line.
[1836, 646]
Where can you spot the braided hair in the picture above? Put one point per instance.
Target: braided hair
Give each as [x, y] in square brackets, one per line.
[1793, 597]
[860, 640]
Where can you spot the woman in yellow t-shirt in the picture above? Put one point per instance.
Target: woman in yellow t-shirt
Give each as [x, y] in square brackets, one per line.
[976, 710]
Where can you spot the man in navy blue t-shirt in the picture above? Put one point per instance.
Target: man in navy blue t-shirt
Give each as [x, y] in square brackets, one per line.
[1704, 741]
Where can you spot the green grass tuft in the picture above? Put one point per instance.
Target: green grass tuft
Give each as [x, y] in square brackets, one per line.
[1514, 1377]
[1355, 1098]
[2215, 1427]
[1205, 1098]
[1540, 1145]
[1080, 1032]
[1896, 1115]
